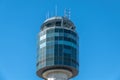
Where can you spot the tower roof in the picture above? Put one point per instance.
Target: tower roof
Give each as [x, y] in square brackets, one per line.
[58, 21]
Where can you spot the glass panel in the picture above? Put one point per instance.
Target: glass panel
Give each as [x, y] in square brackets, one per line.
[58, 46]
[43, 45]
[58, 23]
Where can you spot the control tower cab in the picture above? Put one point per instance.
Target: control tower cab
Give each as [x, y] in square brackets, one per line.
[58, 49]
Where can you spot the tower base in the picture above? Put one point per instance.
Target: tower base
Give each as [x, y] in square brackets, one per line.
[57, 74]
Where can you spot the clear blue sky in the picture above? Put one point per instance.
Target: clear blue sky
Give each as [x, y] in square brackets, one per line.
[98, 25]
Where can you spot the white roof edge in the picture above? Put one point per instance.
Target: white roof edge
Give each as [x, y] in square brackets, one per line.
[56, 17]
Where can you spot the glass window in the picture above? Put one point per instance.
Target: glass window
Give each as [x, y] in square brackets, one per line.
[50, 31]
[43, 37]
[66, 31]
[50, 43]
[50, 62]
[50, 35]
[49, 46]
[65, 39]
[42, 33]
[56, 30]
[43, 45]
[50, 39]
[50, 24]
[68, 51]
[61, 34]
[73, 33]
[42, 41]
[50, 51]
[60, 44]
[58, 23]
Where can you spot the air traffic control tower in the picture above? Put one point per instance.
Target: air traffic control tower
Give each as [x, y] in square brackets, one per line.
[58, 49]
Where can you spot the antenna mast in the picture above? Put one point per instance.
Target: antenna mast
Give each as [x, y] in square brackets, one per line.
[47, 15]
[56, 10]
[67, 13]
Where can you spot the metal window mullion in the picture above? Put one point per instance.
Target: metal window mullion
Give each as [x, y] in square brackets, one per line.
[62, 43]
[58, 47]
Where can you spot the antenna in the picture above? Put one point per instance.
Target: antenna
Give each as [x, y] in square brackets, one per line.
[56, 10]
[67, 13]
[47, 15]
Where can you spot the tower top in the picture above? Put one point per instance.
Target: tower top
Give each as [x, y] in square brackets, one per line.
[58, 21]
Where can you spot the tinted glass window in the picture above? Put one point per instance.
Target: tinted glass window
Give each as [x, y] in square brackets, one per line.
[58, 23]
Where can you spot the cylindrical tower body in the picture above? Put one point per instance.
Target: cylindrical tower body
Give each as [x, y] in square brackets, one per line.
[57, 57]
